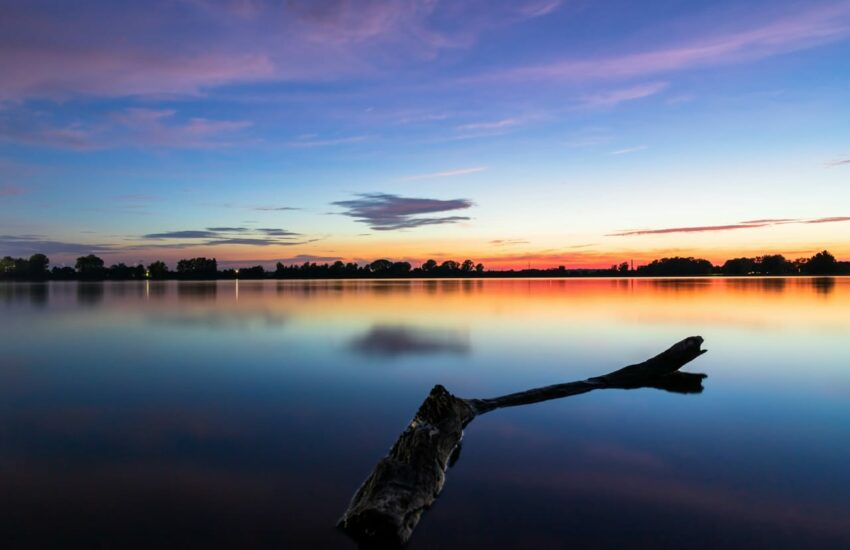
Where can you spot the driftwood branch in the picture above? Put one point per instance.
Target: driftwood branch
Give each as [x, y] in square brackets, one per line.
[387, 507]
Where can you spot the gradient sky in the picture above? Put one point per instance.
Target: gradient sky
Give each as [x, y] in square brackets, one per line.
[548, 132]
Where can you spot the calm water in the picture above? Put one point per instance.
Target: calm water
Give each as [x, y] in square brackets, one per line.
[246, 414]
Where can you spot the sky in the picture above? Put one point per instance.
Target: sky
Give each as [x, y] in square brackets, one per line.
[517, 133]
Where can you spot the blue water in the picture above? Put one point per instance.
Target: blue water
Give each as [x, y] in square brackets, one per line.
[246, 414]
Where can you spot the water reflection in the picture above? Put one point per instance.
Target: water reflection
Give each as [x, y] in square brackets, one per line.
[161, 413]
[35, 294]
[197, 291]
[212, 319]
[90, 294]
[766, 284]
[393, 341]
[824, 285]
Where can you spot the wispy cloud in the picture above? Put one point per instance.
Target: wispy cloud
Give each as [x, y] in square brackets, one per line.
[809, 27]
[538, 9]
[21, 127]
[488, 125]
[829, 220]
[750, 224]
[159, 127]
[629, 150]
[26, 245]
[134, 127]
[839, 162]
[384, 212]
[251, 242]
[692, 229]
[771, 221]
[274, 232]
[612, 98]
[507, 242]
[216, 236]
[447, 173]
[182, 235]
[274, 208]
[313, 141]
[227, 229]
[189, 47]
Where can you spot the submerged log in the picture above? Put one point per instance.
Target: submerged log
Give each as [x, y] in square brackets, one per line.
[387, 507]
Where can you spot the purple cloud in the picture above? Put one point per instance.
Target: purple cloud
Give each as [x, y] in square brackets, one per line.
[384, 212]
[809, 27]
[182, 235]
[771, 221]
[829, 220]
[750, 224]
[695, 229]
[186, 48]
[157, 127]
[275, 208]
[507, 242]
[134, 127]
[26, 245]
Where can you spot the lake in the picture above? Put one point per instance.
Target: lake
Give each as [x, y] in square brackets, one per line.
[246, 413]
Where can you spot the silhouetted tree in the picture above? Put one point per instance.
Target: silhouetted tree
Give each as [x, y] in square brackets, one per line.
[255, 272]
[197, 268]
[399, 269]
[90, 267]
[676, 266]
[381, 266]
[118, 271]
[63, 273]
[158, 270]
[7, 267]
[774, 264]
[479, 268]
[37, 267]
[33, 269]
[822, 263]
[449, 267]
[739, 266]
[429, 266]
[467, 266]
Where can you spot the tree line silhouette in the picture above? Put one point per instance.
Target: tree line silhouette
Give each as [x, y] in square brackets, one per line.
[93, 268]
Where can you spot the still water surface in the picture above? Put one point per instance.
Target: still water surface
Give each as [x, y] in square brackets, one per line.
[246, 414]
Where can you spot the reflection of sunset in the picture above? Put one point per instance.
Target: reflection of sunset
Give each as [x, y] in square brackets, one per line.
[754, 302]
[230, 390]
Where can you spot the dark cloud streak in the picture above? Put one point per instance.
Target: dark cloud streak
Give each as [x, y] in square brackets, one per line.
[386, 212]
[750, 224]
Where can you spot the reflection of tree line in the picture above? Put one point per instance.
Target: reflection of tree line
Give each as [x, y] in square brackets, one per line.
[89, 293]
[93, 268]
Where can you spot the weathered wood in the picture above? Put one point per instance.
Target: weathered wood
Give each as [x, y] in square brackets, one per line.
[387, 507]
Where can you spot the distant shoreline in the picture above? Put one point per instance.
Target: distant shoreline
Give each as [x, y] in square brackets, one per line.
[477, 277]
[93, 268]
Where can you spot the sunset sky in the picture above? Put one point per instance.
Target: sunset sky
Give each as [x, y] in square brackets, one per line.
[544, 132]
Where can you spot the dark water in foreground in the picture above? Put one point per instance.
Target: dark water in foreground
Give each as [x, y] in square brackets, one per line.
[211, 414]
